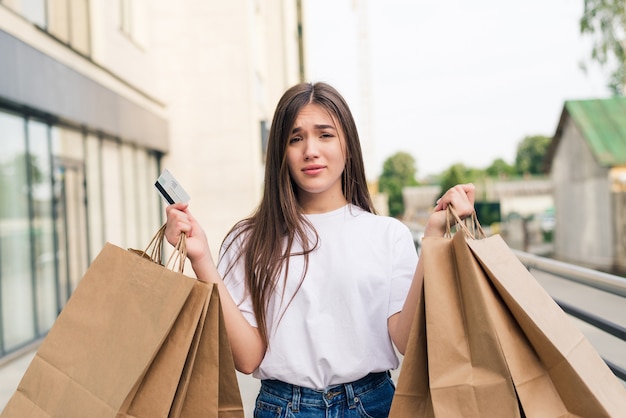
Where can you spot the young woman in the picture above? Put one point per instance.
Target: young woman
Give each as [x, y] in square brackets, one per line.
[315, 287]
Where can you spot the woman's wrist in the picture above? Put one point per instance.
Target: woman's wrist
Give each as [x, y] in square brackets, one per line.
[436, 225]
[205, 268]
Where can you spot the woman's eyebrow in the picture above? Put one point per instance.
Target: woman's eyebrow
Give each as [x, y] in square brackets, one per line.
[325, 127]
[298, 129]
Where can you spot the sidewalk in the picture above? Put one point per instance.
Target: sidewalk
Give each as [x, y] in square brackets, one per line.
[12, 370]
[11, 373]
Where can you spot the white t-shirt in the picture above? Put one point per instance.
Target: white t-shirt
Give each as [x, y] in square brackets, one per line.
[334, 330]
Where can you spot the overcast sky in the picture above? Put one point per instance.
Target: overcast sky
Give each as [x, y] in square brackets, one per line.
[453, 81]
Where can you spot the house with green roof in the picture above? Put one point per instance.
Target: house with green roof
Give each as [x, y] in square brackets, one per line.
[586, 161]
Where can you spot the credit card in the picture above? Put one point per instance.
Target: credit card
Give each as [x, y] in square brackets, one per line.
[170, 189]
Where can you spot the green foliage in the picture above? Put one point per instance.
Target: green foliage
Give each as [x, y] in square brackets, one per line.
[500, 169]
[398, 171]
[605, 21]
[531, 153]
[454, 175]
[458, 174]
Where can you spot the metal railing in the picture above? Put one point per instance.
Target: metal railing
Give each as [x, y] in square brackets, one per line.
[603, 281]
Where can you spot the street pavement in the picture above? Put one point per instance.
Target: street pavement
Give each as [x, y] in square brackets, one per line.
[11, 373]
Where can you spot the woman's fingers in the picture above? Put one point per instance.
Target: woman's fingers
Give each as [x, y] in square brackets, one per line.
[461, 197]
[179, 221]
[469, 189]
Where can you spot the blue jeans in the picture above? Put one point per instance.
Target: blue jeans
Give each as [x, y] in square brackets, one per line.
[369, 397]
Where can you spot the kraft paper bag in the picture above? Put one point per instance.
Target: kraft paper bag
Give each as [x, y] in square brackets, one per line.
[533, 386]
[453, 365]
[468, 373]
[504, 311]
[412, 397]
[128, 344]
[205, 387]
[559, 361]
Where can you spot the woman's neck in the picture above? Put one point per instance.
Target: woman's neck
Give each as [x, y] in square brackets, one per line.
[314, 204]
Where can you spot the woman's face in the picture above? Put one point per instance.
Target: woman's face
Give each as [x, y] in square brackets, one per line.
[316, 158]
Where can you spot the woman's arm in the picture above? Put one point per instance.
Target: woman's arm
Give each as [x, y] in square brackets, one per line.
[245, 340]
[461, 197]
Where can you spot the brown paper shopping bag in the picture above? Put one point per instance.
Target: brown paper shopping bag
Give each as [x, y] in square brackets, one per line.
[453, 365]
[533, 387]
[554, 370]
[412, 397]
[208, 385]
[468, 373]
[558, 365]
[131, 342]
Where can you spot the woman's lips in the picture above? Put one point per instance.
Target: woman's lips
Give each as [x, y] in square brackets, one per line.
[313, 169]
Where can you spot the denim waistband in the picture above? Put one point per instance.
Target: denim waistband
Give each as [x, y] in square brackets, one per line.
[347, 392]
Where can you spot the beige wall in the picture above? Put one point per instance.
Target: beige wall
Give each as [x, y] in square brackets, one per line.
[221, 68]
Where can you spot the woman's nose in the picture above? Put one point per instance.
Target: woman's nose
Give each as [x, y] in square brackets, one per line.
[310, 149]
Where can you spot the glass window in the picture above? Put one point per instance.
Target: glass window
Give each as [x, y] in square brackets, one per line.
[70, 212]
[155, 210]
[94, 196]
[112, 193]
[33, 10]
[67, 20]
[75, 222]
[129, 188]
[148, 199]
[140, 23]
[15, 246]
[125, 17]
[133, 20]
[43, 225]
[67, 143]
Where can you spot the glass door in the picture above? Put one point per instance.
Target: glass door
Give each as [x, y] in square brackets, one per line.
[71, 225]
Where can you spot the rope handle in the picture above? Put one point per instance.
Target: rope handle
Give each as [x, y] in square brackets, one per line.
[179, 255]
[154, 251]
[474, 230]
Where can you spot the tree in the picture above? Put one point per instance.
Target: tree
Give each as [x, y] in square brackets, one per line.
[500, 168]
[398, 171]
[458, 174]
[605, 20]
[454, 175]
[531, 152]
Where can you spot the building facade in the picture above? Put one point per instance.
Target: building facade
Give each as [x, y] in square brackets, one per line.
[587, 163]
[96, 98]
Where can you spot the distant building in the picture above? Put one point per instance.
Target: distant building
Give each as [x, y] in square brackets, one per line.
[419, 202]
[521, 204]
[587, 163]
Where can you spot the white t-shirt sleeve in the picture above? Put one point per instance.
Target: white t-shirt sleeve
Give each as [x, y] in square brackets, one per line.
[404, 263]
[234, 278]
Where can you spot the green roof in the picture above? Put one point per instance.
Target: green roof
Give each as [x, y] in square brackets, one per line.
[602, 122]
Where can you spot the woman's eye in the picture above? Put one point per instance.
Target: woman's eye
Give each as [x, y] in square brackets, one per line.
[326, 135]
[295, 139]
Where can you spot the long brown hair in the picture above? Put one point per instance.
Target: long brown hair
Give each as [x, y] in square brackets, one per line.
[278, 222]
